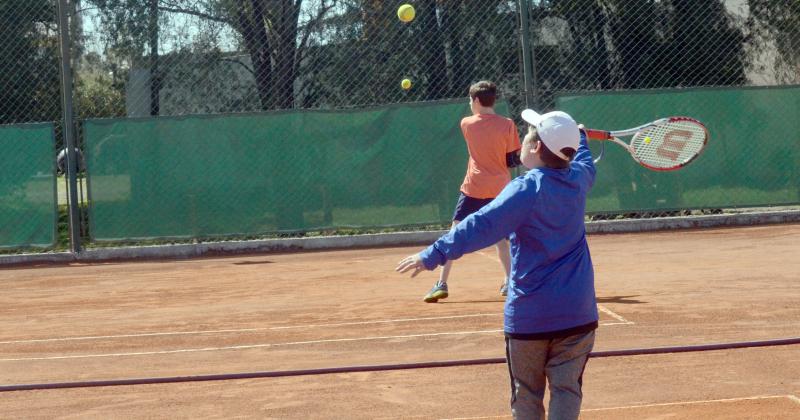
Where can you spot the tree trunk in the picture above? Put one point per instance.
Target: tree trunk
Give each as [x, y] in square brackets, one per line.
[434, 58]
[453, 28]
[285, 26]
[589, 60]
[634, 38]
[252, 24]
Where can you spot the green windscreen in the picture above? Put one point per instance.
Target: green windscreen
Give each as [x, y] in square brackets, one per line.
[752, 158]
[202, 176]
[27, 186]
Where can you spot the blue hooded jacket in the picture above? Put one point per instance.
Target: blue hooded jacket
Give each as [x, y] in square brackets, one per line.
[551, 286]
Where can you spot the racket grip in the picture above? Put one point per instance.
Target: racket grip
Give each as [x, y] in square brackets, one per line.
[597, 134]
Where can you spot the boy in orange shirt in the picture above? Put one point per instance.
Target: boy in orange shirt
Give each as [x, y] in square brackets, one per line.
[493, 145]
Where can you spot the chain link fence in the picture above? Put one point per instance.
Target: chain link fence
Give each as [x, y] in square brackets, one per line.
[30, 85]
[178, 58]
[583, 53]
[30, 92]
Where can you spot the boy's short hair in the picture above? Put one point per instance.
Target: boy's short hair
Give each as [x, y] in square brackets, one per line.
[485, 91]
[550, 159]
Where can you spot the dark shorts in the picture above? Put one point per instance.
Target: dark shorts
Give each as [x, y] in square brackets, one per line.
[467, 205]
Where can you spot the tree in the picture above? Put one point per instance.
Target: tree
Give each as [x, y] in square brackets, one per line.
[96, 93]
[634, 27]
[778, 21]
[705, 48]
[635, 44]
[271, 31]
[29, 62]
[131, 29]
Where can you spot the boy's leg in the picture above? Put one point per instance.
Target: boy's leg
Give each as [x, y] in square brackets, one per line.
[504, 254]
[445, 273]
[526, 366]
[439, 290]
[567, 360]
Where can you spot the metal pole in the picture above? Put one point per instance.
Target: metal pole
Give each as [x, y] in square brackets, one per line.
[525, 32]
[69, 128]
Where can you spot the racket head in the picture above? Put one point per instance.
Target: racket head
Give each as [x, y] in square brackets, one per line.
[669, 144]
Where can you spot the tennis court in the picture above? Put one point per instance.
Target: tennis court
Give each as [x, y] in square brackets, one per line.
[316, 310]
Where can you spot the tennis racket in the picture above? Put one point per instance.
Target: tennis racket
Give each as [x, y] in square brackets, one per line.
[666, 144]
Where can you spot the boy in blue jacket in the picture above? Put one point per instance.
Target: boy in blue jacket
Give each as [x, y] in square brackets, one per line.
[551, 309]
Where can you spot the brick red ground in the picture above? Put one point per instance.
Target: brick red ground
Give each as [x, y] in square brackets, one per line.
[274, 312]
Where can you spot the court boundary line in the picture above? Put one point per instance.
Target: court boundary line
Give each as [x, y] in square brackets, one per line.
[614, 315]
[380, 368]
[235, 330]
[246, 346]
[246, 330]
[586, 410]
[186, 251]
[693, 402]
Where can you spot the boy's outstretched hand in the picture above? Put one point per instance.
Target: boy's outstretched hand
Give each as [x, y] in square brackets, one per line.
[410, 262]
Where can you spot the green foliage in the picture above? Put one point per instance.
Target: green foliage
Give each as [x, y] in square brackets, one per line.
[29, 63]
[450, 45]
[778, 21]
[635, 44]
[338, 53]
[96, 94]
[62, 238]
[125, 25]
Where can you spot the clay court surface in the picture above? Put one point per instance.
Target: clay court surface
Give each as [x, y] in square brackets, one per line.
[83, 322]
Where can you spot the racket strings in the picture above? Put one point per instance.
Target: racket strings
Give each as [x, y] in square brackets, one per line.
[669, 145]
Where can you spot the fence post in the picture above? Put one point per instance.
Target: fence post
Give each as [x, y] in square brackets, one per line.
[69, 128]
[525, 33]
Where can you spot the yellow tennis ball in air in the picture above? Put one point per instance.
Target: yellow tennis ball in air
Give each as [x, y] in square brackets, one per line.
[406, 84]
[406, 13]
[647, 140]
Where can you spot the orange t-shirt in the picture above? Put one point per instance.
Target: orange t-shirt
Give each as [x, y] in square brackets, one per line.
[489, 138]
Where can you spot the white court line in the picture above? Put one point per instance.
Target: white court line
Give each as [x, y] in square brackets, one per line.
[243, 330]
[614, 315]
[605, 324]
[794, 398]
[763, 397]
[155, 334]
[723, 400]
[259, 345]
[158, 334]
[251, 346]
[481, 417]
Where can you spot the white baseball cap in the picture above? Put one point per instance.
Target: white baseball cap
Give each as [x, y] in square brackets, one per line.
[556, 129]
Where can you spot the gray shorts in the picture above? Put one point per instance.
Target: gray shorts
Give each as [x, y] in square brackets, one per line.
[559, 362]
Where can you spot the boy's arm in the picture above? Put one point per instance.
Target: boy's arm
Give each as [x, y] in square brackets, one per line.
[485, 227]
[584, 157]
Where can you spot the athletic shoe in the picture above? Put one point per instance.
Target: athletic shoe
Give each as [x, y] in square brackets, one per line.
[504, 289]
[439, 291]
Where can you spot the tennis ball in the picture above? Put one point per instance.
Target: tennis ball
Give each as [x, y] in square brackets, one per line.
[406, 84]
[647, 140]
[406, 13]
